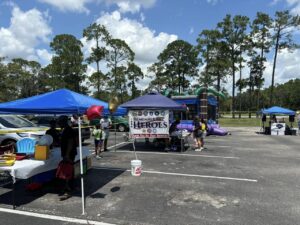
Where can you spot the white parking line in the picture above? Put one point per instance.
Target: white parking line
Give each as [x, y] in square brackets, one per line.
[110, 147]
[182, 174]
[180, 154]
[218, 146]
[52, 217]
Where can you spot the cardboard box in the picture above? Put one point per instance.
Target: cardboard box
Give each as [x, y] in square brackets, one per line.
[41, 152]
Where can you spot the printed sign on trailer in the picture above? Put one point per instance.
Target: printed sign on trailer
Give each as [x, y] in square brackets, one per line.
[149, 123]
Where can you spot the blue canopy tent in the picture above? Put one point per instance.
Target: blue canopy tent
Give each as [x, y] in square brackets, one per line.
[278, 110]
[61, 101]
[153, 100]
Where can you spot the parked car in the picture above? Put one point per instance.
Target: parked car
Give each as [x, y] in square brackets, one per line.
[45, 121]
[17, 128]
[120, 122]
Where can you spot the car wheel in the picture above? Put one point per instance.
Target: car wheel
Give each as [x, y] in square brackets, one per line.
[121, 128]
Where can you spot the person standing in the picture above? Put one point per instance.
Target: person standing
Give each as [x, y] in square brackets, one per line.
[98, 134]
[197, 132]
[298, 119]
[68, 145]
[105, 124]
[203, 133]
[54, 133]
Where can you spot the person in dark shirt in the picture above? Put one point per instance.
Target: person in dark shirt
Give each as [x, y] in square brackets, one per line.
[197, 132]
[54, 133]
[68, 142]
[173, 135]
[68, 145]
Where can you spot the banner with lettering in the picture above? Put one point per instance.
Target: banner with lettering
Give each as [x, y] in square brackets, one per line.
[149, 123]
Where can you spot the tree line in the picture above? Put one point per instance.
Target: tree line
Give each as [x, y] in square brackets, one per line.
[219, 53]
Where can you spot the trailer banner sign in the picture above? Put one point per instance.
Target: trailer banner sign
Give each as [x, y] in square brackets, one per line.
[149, 123]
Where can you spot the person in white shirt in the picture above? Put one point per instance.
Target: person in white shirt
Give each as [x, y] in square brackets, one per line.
[105, 124]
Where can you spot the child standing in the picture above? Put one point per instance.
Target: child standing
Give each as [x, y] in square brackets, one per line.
[98, 134]
[204, 130]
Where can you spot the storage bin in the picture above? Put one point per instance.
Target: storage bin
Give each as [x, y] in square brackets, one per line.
[41, 152]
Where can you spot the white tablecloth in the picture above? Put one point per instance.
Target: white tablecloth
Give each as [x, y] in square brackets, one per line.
[27, 168]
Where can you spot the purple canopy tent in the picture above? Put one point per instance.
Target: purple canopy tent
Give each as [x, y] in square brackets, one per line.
[153, 100]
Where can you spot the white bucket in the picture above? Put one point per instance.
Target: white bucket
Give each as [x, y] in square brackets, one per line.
[136, 167]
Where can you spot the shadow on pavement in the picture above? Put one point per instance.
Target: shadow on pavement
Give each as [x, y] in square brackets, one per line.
[151, 146]
[93, 181]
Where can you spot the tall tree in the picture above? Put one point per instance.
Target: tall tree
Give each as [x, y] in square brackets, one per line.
[67, 63]
[119, 56]
[179, 60]
[161, 81]
[283, 28]
[234, 34]
[261, 36]
[23, 77]
[99, 34]
[134, 74]
[4, 90]
[214, 53]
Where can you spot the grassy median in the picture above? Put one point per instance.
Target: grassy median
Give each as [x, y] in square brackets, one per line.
[240, 122]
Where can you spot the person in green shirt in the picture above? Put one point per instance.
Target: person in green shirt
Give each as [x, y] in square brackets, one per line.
[98, 135]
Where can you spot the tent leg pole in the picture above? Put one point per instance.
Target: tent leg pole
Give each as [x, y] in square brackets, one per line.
[115, 137]
[81, 167]
[14, 195]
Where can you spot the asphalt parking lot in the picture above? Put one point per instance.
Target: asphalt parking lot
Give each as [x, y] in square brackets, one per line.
[243, 178]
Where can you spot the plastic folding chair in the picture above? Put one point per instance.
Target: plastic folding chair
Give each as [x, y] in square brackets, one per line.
[26, 145]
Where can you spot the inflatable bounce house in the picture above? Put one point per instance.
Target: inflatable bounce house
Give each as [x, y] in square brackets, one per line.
[203, 103]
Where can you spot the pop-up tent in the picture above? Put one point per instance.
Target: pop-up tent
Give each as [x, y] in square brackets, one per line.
[153, 100]
[278, 110]
[63, 102]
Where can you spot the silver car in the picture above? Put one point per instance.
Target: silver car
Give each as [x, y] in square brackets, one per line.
[14, 128]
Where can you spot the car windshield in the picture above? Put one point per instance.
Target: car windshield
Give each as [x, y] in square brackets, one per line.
[15, 122]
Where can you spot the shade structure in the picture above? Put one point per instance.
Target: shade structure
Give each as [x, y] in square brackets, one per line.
[153, 100]
[278, 110]
[62, 101]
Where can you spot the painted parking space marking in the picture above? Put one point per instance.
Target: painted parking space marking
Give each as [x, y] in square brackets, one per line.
[182, 174]
[122, 143]
[180, 154]
[218, 146]
[52, 217]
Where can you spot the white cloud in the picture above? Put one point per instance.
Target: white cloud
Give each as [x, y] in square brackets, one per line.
[44, 57]
[132, 6]
[146, 44]
[69, 5]
[287, 67]
[143, 41]
[295, 4]
[25, 32]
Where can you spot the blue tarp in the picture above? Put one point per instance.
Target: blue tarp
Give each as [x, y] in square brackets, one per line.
[151, 101]
[278, 110]
[62, 101]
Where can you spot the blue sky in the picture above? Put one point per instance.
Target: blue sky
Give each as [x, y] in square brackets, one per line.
[27, 27]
